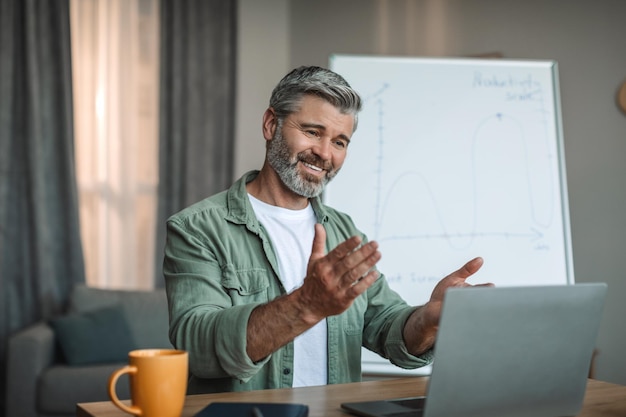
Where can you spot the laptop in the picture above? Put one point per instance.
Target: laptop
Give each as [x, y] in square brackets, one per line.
[507, 352]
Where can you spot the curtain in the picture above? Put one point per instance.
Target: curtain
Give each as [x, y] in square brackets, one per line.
[197, 97]
[40, 249]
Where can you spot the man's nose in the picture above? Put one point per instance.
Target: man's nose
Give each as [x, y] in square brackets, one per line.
[322, 148]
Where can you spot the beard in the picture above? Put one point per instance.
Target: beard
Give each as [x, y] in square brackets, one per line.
[286, 166]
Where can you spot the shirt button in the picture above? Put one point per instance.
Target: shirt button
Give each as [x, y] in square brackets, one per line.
[286, 371]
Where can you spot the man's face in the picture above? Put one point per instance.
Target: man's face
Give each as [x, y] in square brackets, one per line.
[308, 150]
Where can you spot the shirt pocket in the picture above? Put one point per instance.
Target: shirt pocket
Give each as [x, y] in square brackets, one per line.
[245, 286]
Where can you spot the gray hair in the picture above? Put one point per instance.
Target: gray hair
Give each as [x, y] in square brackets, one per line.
[316, 81]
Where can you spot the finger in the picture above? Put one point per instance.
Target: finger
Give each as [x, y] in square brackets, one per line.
[469, 269]
[359, 263]
[319, 242]
[345, 248]
[362, 284]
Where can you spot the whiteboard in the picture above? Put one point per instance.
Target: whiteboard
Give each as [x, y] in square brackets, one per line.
[452, 159]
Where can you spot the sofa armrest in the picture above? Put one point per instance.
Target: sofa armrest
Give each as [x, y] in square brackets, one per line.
[29, 353]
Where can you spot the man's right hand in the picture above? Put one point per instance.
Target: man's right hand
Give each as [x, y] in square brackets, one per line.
[336, 279]
[333, 282]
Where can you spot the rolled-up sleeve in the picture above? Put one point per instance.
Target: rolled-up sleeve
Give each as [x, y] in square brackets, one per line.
[203, 317]
[386, 316]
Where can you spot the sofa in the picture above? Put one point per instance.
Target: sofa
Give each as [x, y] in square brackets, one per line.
[53, 365]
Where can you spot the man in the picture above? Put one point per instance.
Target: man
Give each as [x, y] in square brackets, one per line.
[267, 287]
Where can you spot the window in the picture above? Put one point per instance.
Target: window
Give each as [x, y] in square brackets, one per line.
[115, 61]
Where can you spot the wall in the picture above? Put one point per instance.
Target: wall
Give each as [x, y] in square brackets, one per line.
[586, 38]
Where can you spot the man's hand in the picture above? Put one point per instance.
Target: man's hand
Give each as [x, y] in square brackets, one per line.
[333, 282]
[421, 327]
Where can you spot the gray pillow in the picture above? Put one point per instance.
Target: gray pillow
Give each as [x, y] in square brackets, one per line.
[92, 337]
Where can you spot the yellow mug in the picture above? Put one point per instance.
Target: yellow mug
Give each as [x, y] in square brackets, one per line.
[158, 382]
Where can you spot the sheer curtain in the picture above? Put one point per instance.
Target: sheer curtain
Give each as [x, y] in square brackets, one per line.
[115, 61]
[118, 47]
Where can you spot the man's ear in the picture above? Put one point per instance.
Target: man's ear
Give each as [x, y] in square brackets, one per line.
[270, 122]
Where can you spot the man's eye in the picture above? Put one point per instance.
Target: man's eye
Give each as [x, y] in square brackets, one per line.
[313, 133]
[341, 144]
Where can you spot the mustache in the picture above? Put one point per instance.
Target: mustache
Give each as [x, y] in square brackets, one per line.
[313, 159]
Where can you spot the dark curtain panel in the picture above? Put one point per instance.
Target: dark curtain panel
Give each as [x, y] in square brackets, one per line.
[40, 250]
[197, 96]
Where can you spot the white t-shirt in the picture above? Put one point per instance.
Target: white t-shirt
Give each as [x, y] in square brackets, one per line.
[291, 233]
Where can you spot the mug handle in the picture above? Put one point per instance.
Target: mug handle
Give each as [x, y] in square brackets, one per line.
[128, 369]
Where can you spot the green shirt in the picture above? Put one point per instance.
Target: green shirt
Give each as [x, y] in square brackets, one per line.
[220, 264]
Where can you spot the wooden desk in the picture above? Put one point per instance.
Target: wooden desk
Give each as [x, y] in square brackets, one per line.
[602, 399]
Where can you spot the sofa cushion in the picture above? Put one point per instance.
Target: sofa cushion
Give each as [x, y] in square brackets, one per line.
[96, 336]
[61, 387]
[146, 311]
